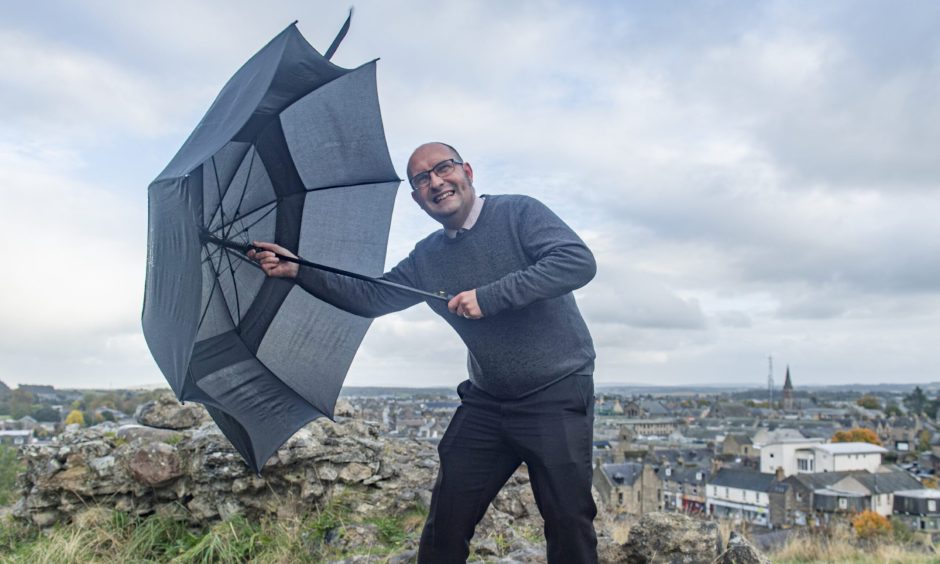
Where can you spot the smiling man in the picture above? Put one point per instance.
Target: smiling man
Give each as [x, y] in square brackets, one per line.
[511, 265]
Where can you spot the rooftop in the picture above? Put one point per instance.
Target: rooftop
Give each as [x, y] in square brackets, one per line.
[850, 448]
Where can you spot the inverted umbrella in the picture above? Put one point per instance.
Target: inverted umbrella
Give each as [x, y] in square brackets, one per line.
[293, 151]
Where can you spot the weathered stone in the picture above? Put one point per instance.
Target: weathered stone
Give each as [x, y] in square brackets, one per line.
[155, 464]
[132, 433]
[740, 551]
[45, 518]
[355, 472]
[103, 465]
[167, 413]
[344, 408]
[673, 538]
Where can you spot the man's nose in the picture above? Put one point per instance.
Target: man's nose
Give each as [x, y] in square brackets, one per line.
[436, 181]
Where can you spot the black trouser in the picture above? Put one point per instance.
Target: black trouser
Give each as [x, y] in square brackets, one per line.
[488, 438]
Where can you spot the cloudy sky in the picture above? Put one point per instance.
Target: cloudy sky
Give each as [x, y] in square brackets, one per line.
[755, 178]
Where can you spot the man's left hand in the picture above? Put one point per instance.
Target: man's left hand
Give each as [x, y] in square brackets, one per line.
[465, 305]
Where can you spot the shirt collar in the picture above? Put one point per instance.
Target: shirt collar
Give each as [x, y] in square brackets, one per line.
[471, 218]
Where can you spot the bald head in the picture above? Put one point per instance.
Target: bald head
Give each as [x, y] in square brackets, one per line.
[434, 147]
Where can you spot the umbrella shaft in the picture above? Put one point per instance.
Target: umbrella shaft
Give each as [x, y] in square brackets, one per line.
[245, 248]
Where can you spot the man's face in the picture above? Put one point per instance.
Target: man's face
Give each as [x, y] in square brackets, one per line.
[447, 200]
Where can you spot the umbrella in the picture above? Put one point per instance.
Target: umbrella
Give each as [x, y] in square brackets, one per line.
[293, 151]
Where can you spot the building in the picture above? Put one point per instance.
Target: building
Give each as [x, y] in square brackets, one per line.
[738, 446]
[788, 392]
[919, 509]
[16, 438]
[747, 496]
[812, 455]
[817, 498]
[684, 489]
[634, 488]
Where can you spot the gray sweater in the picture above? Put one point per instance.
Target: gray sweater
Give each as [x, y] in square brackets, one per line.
[524, 263]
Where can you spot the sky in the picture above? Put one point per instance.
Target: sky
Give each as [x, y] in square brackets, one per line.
[755, 179]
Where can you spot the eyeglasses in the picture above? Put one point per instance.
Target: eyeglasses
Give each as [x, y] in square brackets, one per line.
[422, 180]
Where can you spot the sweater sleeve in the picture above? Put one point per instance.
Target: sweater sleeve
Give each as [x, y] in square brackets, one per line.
[561, 262]
[360, 297]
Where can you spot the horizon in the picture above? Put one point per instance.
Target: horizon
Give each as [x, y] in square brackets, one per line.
[754, 179]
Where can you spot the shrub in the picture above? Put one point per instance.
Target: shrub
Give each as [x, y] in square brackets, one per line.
[869, 525]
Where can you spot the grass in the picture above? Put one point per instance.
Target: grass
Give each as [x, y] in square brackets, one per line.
[99, 535]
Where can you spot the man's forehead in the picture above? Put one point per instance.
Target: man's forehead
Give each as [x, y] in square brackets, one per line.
[435, 152]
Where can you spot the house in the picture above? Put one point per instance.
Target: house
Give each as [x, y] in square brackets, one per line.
[16, 438]
[747, 496]
[684, 489]
[634, 488]
[919, 509]
[820, 496]
[738, 446]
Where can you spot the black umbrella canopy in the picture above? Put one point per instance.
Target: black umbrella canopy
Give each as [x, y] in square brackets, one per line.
[292, 151]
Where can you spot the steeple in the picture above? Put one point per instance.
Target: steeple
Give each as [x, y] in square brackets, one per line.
[788, 392]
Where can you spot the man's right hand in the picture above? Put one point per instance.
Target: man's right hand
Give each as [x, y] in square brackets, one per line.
[270, 263]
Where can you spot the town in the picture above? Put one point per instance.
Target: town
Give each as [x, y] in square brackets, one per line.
[769, 458]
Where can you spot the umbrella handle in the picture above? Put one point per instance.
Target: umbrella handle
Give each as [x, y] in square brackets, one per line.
[244, 248]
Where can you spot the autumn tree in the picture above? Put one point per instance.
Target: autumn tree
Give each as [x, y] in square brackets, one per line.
[75, 417]
[868, 402]
[870, 525]
[856, 435]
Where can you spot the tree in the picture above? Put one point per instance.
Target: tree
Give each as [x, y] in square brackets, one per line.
[923, 440]
[75, 417]
[869, 525]
[46, 413]
[916, 401]
[868, 402]
[856, 435]
[21, 403]
[893, 409]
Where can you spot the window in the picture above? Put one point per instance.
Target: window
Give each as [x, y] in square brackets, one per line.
[638, 495]
[726, 493]
[931, 505]
[843, 503]
[620, 498]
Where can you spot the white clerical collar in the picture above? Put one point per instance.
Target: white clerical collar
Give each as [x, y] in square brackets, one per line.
[471, 218]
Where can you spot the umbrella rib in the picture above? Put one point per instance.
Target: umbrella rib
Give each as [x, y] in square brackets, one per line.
[238, 309]
[255, 222]
[244, 187]
[218, 188]
[307, 190]
[216, 271]
[244, 215]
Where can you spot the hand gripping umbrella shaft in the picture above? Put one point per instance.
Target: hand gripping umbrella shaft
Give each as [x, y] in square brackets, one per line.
[244, 248]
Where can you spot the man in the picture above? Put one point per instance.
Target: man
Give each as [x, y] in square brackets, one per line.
[511, 265]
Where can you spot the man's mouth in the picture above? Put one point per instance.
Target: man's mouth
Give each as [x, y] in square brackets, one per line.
[443, 196]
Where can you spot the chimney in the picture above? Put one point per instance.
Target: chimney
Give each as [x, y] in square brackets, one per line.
[779, 475]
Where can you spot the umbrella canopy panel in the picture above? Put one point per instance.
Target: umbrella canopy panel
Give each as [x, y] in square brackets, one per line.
[308, 168]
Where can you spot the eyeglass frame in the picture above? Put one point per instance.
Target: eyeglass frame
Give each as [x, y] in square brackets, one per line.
[430, 170]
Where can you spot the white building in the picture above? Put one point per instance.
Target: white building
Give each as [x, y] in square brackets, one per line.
[745, 495]
[841, 457]
[793, 455]
[808, 456]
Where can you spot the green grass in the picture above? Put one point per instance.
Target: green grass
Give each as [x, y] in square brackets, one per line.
[10, 466]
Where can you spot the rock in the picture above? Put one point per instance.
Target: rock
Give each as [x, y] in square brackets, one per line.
[167, 413]
[45, 518]
[155, 464]
[132, 433]
[673, 538]
[355, 472]
[740, 551]
[344, 409]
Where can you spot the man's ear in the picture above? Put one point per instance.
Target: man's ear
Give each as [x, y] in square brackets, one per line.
[416, 197]
[468, 170]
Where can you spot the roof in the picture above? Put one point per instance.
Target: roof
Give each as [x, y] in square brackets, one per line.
[741, 439]
[625, 473]
[850, 448]
[924, 493]
[887, 482]
[743, 479]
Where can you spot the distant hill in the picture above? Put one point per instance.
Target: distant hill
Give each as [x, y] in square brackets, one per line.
[4, 390]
